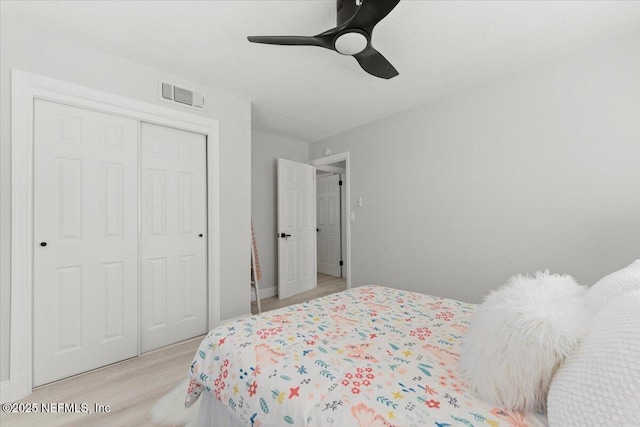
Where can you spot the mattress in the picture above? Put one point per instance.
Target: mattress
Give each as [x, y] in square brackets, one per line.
[370, 356]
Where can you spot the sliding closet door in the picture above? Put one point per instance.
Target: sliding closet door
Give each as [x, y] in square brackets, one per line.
[85, 240]
[173, 236]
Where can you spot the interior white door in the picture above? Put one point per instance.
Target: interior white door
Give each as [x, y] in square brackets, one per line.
[296, 228]
[173, 236]
[85, 240]
[328, 224]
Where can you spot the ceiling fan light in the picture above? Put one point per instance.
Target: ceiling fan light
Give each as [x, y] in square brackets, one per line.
[351, 43]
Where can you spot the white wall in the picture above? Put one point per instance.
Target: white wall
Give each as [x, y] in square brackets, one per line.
[31, 51]
[265, 149]
[539, 169]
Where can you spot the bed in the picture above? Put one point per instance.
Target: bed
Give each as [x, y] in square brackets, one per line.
[368, 357]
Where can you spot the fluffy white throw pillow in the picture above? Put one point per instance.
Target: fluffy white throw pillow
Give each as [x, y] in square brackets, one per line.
[519, 335]
[599, 384]
[612, 285]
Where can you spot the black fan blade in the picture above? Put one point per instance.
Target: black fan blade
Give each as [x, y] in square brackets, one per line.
[375, 64]
[371, 12]
[290, 40]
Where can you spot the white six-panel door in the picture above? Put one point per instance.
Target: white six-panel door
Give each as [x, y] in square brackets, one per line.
[85, 240]
[296, 228]
[328, 224]
[173, 236]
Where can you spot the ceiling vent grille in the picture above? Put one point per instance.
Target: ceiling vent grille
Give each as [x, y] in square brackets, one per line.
[169, 92]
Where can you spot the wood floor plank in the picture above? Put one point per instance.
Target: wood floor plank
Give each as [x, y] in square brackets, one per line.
[326, 285]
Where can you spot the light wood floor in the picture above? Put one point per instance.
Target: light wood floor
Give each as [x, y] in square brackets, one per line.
[131, 387]
[326, 285]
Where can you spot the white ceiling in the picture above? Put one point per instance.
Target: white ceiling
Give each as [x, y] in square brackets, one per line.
[439, 47]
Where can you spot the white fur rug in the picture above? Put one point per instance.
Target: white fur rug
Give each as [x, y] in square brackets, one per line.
[170, 410]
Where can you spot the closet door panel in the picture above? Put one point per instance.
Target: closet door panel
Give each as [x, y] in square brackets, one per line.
[173, 236]
[85, 240]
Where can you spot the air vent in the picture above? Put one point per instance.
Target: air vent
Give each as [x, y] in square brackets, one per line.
[167, 91]
[181, 95]
[198, 100]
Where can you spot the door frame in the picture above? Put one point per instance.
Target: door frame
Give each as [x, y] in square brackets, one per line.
[25, 88]
[335, 158]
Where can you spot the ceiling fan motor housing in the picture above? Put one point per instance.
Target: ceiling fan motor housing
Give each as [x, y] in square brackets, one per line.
[346, 9]
[349, 42]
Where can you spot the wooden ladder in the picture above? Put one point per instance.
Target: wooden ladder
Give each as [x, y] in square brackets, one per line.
[256, 273]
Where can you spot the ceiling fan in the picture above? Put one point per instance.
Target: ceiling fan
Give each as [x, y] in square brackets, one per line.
[352, 36]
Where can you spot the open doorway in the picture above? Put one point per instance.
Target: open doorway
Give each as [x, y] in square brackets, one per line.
[332, 223]
[325, 283]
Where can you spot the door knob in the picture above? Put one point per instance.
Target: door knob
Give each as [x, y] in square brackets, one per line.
[43, 244]
[285, 235]
[199, 235]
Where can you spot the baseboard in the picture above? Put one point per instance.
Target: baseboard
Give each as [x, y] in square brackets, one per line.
[265, 292]
[5, 391]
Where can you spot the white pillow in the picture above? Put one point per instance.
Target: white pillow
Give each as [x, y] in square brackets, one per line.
[519, 335]
[610, 286]
[599, 385]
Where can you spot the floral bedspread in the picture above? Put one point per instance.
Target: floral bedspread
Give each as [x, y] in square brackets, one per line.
[367, 357]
